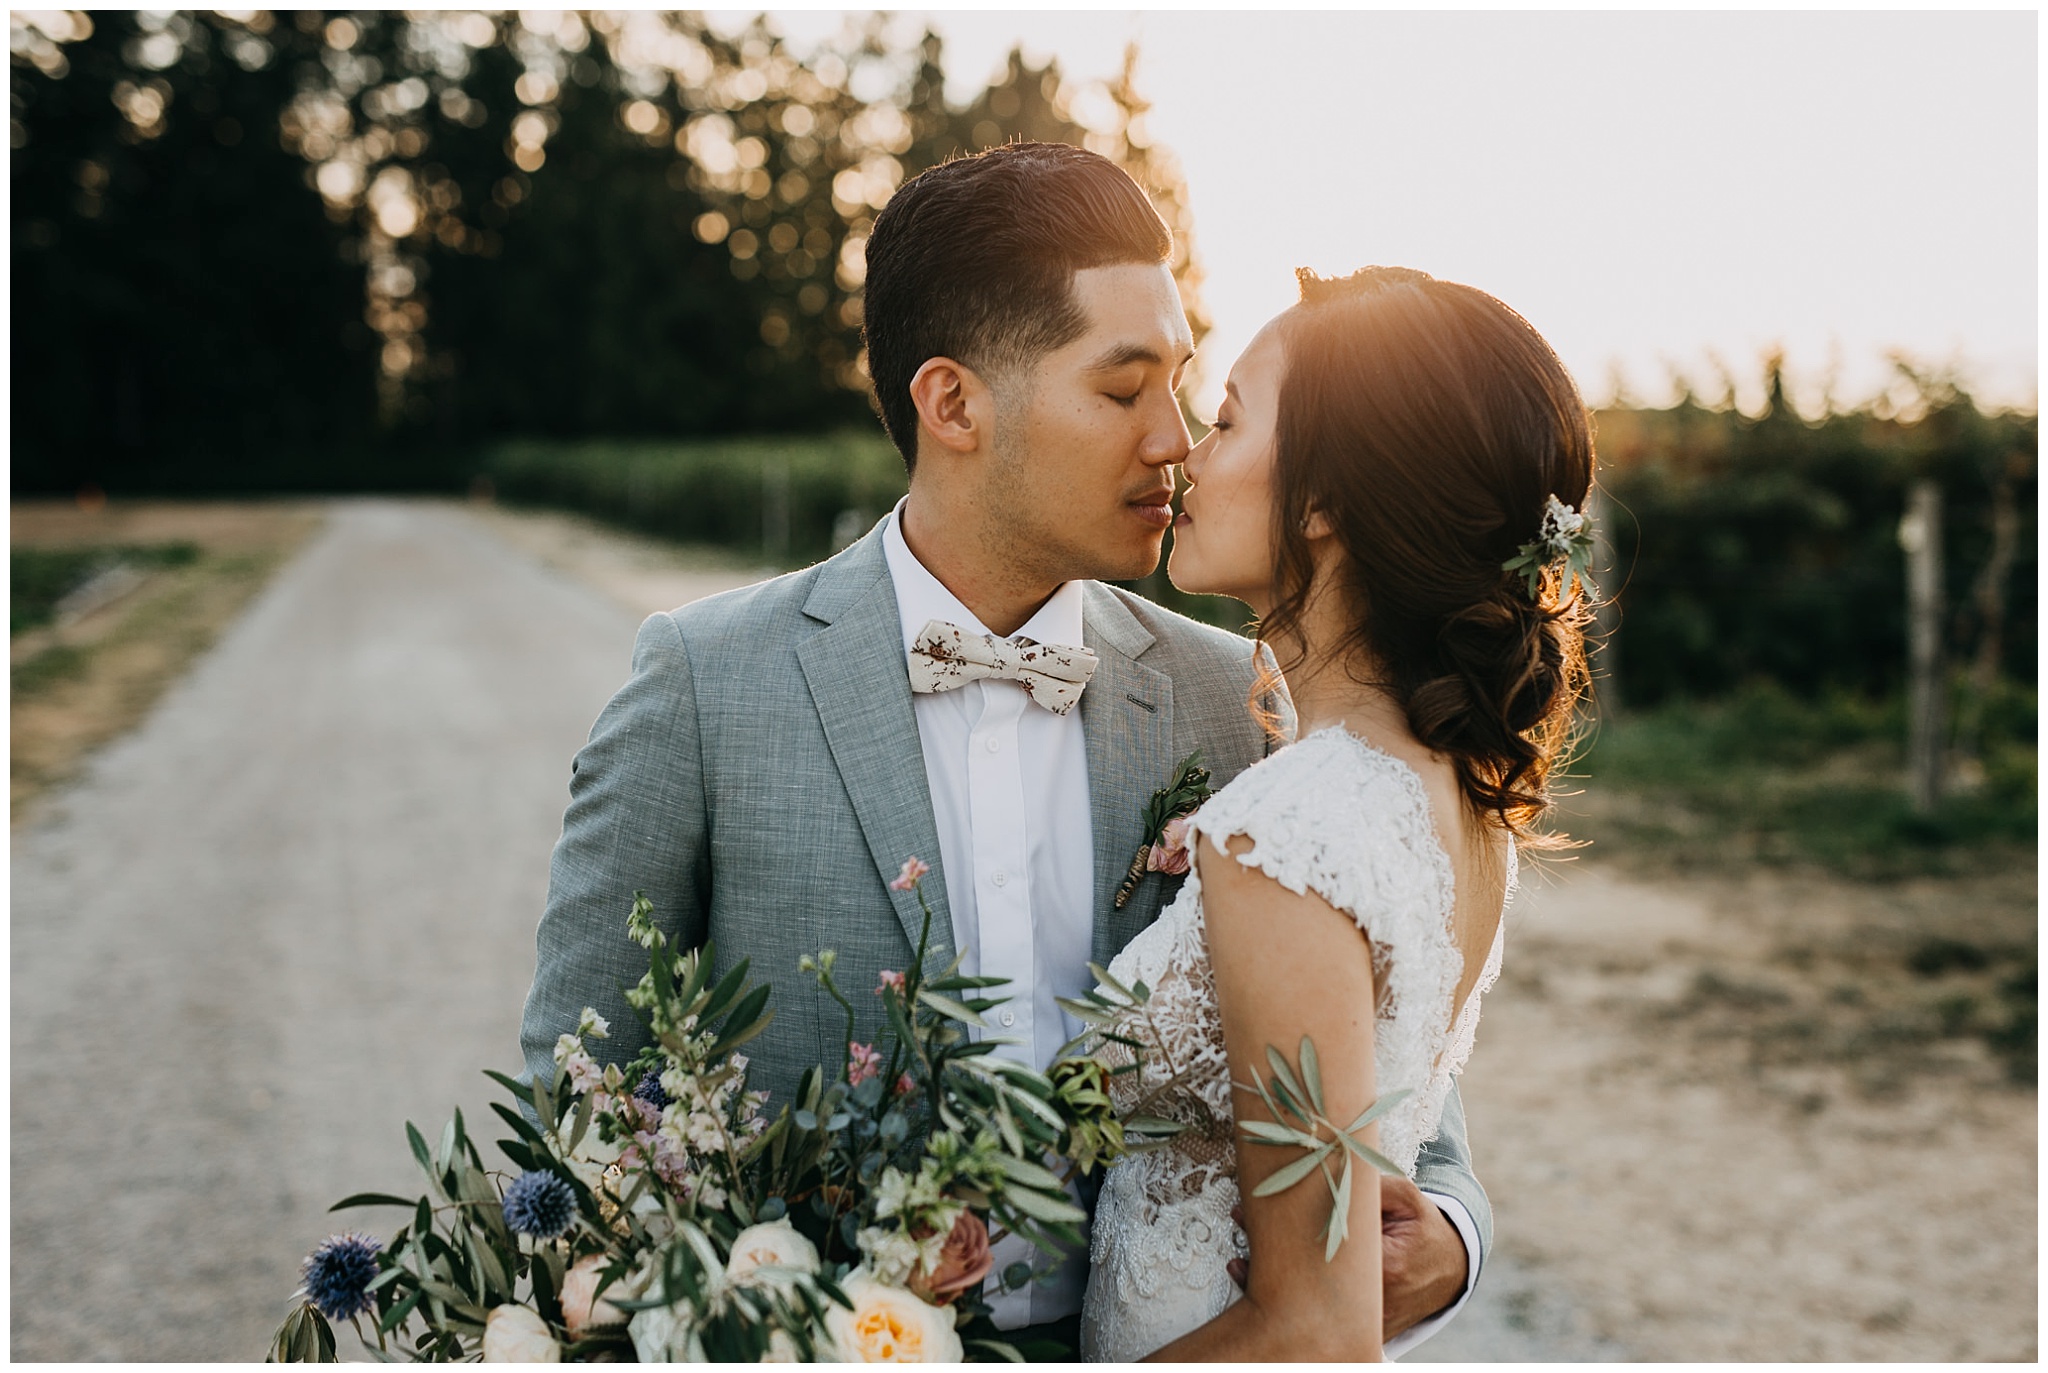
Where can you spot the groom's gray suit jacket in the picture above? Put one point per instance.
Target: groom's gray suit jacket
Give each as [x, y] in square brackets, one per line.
[760, 776]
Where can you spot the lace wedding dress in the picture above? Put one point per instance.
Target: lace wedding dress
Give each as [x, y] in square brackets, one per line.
[1337, 816]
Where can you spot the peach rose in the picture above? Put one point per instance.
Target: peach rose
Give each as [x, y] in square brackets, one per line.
[517, 1334]
[890, 1325]
[963, 1264]
[582, 1309]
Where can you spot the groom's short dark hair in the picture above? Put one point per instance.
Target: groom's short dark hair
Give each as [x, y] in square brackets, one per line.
[974, 260]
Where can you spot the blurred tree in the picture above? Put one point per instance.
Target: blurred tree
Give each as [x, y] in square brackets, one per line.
[176, 290]
[543, 223]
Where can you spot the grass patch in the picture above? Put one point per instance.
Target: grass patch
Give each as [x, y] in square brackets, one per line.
[1764, 776]
[75, 686]
[40, 578]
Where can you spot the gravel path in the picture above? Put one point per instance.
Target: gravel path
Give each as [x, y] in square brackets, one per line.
[290, 912]
[294, 910]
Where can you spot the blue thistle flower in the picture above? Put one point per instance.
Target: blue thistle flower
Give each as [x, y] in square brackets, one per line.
[338, 1275]
[650, 1090]
[541, 1204]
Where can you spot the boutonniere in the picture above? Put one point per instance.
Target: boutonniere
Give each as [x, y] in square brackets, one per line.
[1166, 821]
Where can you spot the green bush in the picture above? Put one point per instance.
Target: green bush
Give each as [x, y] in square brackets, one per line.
[715, 491]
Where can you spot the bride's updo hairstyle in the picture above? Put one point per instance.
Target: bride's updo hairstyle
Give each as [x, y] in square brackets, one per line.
[1429, 423]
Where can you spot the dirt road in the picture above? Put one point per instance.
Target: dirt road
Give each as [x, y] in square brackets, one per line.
[291, 911]
[295, 908]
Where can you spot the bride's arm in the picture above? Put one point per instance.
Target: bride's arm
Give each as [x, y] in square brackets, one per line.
[1288, 966]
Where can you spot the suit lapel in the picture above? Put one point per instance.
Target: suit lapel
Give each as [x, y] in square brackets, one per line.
[1127, 716]
[855, 670]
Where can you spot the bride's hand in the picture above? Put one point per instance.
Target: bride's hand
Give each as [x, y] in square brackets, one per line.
[1422, 1259]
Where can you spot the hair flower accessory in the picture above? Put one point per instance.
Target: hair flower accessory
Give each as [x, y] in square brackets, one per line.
[1566, 534]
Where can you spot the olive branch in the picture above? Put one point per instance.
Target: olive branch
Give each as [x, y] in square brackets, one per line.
[1301, 1098]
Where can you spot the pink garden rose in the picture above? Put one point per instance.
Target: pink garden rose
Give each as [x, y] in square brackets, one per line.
[963, 1264]
[1170, 855]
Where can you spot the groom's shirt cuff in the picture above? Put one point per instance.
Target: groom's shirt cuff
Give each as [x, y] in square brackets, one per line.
[1454, 1210]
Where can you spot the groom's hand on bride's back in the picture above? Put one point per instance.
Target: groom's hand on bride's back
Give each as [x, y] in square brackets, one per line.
[1422, 1260]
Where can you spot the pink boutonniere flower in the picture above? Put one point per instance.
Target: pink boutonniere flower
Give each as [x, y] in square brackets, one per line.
[1170, 855]
[1164, 849]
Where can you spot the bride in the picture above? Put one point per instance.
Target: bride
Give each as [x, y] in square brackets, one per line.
[1393, 485]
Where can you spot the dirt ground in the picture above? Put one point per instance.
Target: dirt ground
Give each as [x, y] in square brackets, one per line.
[1719, 1118]
[76, 686]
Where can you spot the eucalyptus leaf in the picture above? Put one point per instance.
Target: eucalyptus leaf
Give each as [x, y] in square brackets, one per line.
[1039, 1206]
[1378, 1109]
[1028, 1173]
[372, 1199]
[1312, 1073]
[951, 1009]
[1340, 1214]
[1284, 1178]
[1272, 1132]
[1372, 1156]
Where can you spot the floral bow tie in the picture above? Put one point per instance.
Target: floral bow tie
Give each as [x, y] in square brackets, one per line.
[945, 656]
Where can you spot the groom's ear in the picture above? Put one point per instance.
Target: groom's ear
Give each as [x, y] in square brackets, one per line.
[954, 405]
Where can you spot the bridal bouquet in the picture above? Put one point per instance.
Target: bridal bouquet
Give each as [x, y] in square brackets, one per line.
[659, 1212]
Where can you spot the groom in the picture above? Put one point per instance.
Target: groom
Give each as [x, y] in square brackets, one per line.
[779, 751]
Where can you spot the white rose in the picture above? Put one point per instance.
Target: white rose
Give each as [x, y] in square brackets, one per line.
[782, 1349]
[582, 1308]
[775, 1244]
[516, 1334]
[659, 1334]
[890, 1325]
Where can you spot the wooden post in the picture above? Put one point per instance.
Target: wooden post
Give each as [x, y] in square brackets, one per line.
[1920, 536]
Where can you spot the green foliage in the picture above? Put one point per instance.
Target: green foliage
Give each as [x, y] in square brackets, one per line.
[712, 491]
[1762, 773]
[177, 288]
[1768, 547]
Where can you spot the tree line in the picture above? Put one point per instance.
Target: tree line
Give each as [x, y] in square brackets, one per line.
[270, 250]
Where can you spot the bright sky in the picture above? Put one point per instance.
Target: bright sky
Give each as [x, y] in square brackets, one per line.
[1652, 190]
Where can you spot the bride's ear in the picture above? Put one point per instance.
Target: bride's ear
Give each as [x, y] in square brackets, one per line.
[954, 406]
[1316, 525]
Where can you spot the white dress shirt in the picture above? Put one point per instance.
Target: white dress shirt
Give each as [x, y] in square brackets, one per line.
[1009, 787]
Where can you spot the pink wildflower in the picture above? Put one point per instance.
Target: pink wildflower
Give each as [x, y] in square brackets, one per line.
[584, 1074]
[905, 1085]
[891, 982]
[914, 870]
[864, 1062]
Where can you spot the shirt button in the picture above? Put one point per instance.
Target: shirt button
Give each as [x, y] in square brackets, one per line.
[1009, 1018]
[995, 745]
[1000, 878]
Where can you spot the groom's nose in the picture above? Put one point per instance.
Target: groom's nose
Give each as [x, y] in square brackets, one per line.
[1166, 437]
